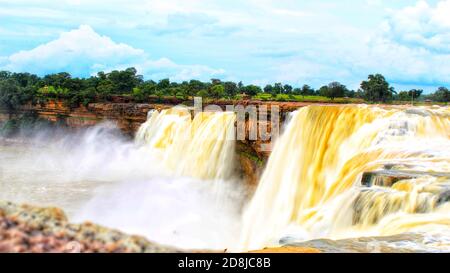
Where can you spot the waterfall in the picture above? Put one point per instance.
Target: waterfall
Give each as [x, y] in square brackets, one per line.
[202, 147]
[311, 186]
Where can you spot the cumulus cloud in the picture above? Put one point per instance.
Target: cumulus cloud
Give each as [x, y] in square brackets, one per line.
[413, 45]
[84, 52]
[77, 50]
[422, 25]
[411, 48]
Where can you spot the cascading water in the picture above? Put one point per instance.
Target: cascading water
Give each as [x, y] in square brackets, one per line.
[311, 186]
[154, 186]
[202, 147]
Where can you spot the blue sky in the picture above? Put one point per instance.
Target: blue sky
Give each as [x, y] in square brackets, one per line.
[256, 41]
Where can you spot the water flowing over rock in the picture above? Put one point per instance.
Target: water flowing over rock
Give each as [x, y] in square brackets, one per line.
[202, 147]
[312, 187]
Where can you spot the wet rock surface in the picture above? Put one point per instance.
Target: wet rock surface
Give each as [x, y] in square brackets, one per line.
[287, 249]
[26, 228]
[389, 176]
[389, 244]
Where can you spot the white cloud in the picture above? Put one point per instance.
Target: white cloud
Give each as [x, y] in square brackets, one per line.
[76, 49]
[83, 52]
[403, 64]
[412, 47]
[422, 26]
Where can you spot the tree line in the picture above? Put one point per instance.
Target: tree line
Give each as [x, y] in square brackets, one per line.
[19, 88]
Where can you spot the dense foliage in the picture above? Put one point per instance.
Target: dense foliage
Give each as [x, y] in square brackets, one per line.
[19, 88]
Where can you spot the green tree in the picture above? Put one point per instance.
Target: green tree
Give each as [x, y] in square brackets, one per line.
[61, 79]
[25, 79]
[287, 89]
[350, 93]
[11, 97]
[376, 88]
[278, 88]
[323, 91]
[403, 96]
[159, 94]
[240, 85]
[269, 89]
[4, 75]
[441, 95]
[84, 97]
[138, 95]
[216, 81]
[124, 81]
[217, 91]
[334, 90]
[231, 89]
[104, 89]
[251, 90]
[181, 93]
[194, 86]
[203, 93]
[415, 93]
[163, 84]
[148, 87]
[307, 90]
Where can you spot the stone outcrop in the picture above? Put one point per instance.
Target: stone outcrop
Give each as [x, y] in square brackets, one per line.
[385, 244]
[26, 228]
[127, 116]
[388, 177]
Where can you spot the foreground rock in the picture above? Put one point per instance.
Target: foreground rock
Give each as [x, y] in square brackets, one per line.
[288, 249]
[30, 229]
[400, 243]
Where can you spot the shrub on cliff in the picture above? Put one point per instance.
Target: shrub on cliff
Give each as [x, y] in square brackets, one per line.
[12, 95]
[138, 95]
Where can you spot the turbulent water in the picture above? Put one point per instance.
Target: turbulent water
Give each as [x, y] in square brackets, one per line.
[201, 147]
[175, 183]
[311, 187]
[136, 186]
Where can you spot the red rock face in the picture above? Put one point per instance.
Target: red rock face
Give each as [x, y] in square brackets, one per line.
[128, 116]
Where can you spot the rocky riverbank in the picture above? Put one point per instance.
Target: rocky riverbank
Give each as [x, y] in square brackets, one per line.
[26, 228]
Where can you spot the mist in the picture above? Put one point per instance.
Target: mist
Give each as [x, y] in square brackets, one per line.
[100, 175]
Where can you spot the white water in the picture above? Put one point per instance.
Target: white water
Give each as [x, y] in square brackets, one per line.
[202, 147]
[97, 175]
[310, 184]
